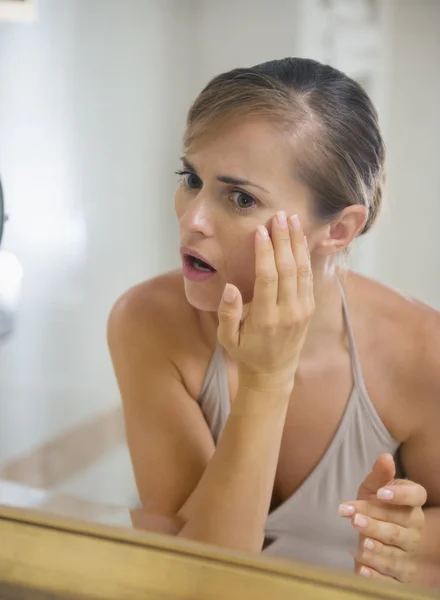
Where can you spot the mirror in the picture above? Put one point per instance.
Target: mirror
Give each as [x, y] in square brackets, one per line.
[93, 110]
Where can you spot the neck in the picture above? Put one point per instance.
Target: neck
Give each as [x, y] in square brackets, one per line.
[327, 323]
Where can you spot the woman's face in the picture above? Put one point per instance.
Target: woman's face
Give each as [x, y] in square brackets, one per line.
[232, 181]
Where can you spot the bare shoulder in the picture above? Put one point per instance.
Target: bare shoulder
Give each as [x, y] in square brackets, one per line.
[402, 332]
[397, 318]
[155, 310]
[152, 329]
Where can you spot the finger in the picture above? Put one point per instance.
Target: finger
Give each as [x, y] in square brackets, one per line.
[387, 560]
[403, 493]
[366, 571]
[302, 261]
[384, 470]
[381, 511]
[311, 295]
[229, 317]
[285, 261]
[264, 301]
[387, 533]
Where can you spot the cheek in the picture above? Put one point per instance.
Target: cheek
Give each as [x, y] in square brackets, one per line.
[240, 266]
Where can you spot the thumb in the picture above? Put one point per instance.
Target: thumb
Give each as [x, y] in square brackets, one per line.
[229, 316]
[384, 471]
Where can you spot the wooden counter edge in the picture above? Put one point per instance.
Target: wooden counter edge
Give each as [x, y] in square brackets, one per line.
[54, 555]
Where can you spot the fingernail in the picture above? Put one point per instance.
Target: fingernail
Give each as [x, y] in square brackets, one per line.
[294, 222]
[369, 544]
[306, 243]
[230, 293]
[281, 218]
[365, 572]
[346, 510]
[360, 520]
[263, 231]
[385, 494]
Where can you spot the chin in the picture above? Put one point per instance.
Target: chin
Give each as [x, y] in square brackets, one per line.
[203, 297]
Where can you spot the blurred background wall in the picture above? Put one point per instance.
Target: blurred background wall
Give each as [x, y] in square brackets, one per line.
[93, 96]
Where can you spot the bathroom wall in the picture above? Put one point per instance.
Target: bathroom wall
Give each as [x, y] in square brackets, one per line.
[93, 98]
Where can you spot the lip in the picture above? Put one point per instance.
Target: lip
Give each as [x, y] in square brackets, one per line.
[189, 272]
[195, 254]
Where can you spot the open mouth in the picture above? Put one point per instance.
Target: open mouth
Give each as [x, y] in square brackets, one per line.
[198, 264]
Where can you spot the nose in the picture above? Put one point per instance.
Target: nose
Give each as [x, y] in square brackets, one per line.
[197, 217]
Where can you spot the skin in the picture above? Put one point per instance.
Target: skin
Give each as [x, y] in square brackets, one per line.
[171, 325]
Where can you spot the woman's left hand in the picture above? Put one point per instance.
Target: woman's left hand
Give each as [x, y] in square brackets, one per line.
[389, 518]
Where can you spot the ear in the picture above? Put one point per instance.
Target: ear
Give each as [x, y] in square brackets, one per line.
[342, 230]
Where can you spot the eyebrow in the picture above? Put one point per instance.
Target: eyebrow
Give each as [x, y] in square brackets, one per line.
[224, 178]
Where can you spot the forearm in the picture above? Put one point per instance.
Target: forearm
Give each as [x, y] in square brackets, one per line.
[230, 505]
[428, 553]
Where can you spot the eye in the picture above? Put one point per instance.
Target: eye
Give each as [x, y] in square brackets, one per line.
[242, 201]
[189, 179]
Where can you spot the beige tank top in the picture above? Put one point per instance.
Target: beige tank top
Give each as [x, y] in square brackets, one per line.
[307, 525]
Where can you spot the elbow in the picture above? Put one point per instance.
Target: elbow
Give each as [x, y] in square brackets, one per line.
[211, 531]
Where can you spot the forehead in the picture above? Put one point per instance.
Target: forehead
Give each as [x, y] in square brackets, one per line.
[249, 148]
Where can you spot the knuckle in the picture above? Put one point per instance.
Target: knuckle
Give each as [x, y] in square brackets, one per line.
[304, 271]
[270, 328]
[388, 514]
[420, 495]
[410, 569]
[380, 549]
[395, 534]
[392, 564]
[310, 308]
[371, 529]
[267, 252]
[287, 321]
[303, 316]
[226, 316]
[284, 235]
[389, 550]
[297, 315]
[267, 276]
[307, 313]
[287, 270]
[290, 318]
[268, 248]
[415, 540]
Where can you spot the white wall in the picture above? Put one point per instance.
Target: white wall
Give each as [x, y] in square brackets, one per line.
[407, 242]
[242, 33]
[93, 97]
[92, 103]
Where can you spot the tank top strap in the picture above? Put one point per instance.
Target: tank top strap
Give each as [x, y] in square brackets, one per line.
[354, 357]
[362, 397]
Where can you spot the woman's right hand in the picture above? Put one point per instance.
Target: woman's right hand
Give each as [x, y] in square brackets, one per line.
[265, 337]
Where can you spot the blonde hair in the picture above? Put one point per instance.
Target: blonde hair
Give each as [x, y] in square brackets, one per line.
[340, 150]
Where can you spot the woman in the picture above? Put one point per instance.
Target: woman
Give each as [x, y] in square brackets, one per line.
[255, 402]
